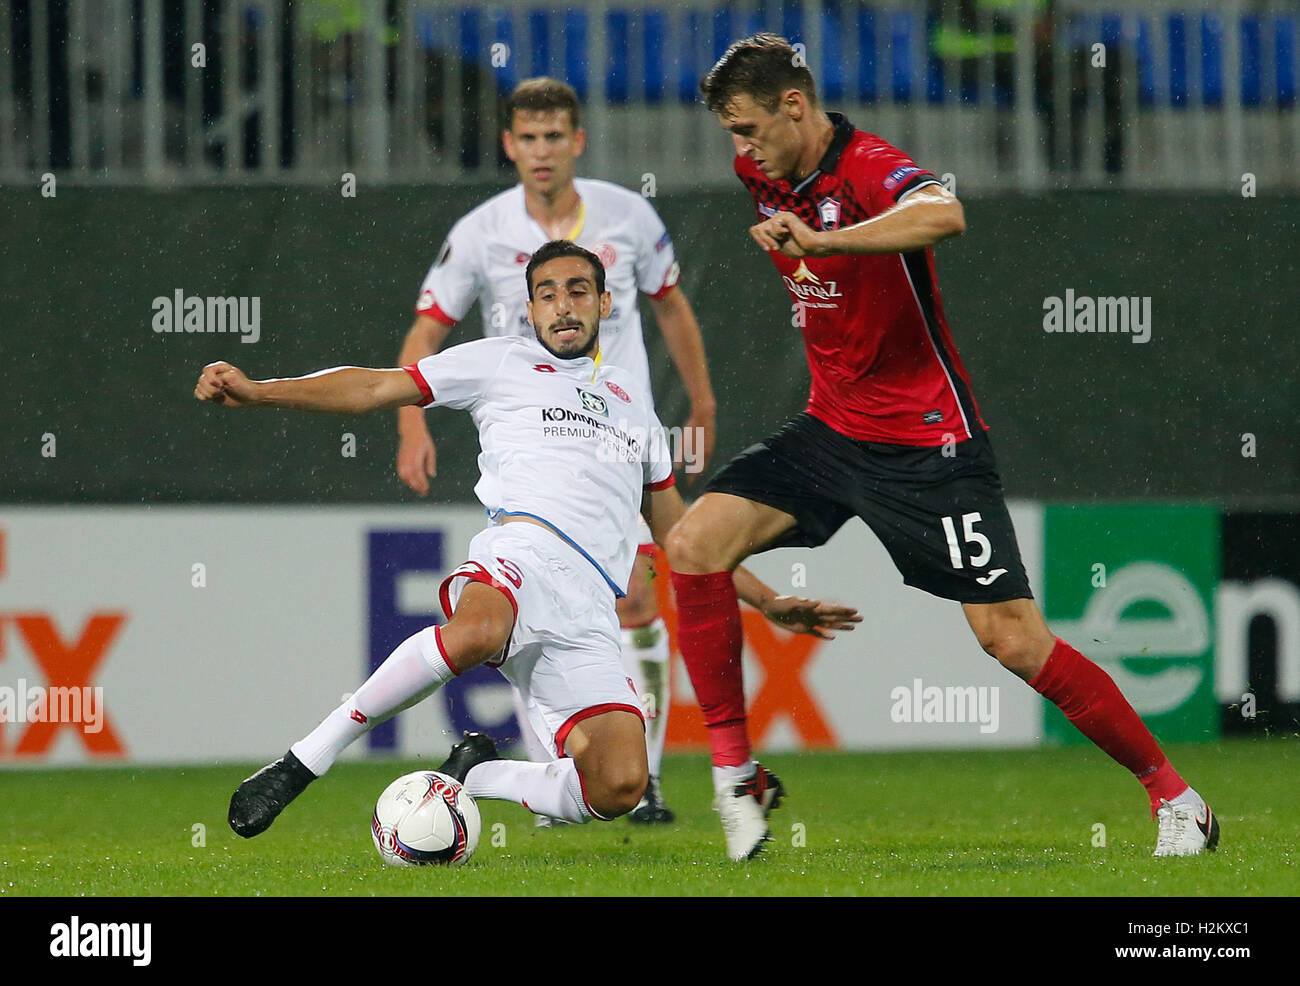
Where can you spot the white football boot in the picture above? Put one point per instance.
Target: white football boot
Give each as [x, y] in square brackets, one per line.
[743, 810]
[1185, 830]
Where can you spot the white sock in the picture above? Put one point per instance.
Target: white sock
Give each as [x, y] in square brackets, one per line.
[1188, 797]
[552, 789]
[725, 778]
[409, 674]
[645, 658]
[533, 747]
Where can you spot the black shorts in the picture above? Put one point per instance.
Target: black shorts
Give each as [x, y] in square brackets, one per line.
[942, 518]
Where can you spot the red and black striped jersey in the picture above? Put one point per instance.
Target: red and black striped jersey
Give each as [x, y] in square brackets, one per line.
[884, 365]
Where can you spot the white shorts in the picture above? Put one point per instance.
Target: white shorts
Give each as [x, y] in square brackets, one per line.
[564, 654]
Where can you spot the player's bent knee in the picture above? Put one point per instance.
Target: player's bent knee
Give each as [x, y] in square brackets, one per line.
[689, 551]
[1014, 648]
[616, 789]
[479, 628]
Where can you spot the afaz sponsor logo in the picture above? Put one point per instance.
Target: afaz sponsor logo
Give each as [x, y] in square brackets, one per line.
[593, 402]
[804, 284]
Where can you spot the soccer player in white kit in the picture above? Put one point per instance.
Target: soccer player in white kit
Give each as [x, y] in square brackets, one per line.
[571, 448]
[481, 259]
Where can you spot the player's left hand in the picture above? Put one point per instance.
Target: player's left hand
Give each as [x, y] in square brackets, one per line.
[221, 383]
[789, 234]
[810, 616]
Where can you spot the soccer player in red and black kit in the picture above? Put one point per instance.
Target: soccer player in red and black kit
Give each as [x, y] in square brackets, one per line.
[891, 434]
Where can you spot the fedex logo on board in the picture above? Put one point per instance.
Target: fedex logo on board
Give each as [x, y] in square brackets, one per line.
[396, 562]
[67, 699]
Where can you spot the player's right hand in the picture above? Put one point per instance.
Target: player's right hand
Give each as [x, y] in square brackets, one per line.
[417, 460]
[221, 383]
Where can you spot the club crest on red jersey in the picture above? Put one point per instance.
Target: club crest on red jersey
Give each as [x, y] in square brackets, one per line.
[828, 210]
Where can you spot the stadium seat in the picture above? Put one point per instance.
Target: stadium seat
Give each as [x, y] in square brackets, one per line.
[1211, 60]
[620, 51]
[1177, 27]
[655, 25]
[867, 91]
[1284, 45]
[539, 36]
[1252, 56]
[901, 26]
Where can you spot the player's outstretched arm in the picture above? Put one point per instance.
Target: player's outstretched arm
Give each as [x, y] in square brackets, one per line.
[663, 508]
[344, 389]
[924, 218]
[417, 455]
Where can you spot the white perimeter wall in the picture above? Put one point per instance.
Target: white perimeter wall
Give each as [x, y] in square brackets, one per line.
[239, 668]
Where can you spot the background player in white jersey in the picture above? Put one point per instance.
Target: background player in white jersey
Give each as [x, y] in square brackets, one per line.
[481, 260]
[571, 449]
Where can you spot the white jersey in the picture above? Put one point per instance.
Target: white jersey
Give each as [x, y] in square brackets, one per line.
[572, 442]
[486, 252]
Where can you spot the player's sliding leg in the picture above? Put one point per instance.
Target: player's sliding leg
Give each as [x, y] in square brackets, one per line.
[1016, 634]
[602, 775]
[714, 536]
[477, 631]
[645, 656]
[534, 749]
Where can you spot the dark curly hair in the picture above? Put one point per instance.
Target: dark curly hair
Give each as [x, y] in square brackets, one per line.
[564, 248]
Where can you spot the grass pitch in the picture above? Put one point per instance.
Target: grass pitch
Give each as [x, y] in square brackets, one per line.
[1024, 823]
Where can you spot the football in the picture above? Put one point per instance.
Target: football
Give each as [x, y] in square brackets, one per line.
[425, 818]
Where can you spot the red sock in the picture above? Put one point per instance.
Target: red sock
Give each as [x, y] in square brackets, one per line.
[711, 640]
[1091, 700]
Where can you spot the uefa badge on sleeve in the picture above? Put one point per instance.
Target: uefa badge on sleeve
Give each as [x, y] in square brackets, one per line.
[829, 212]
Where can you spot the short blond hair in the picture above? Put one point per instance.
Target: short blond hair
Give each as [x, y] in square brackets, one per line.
[542, 95]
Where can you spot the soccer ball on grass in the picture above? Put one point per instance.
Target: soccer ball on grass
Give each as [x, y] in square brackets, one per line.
[425, 818]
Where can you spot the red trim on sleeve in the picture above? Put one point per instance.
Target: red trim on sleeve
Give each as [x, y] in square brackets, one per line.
[663, 484]
[914, 182]
[664, 291]
[562, 733]
[425, 389]
[434, 312]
